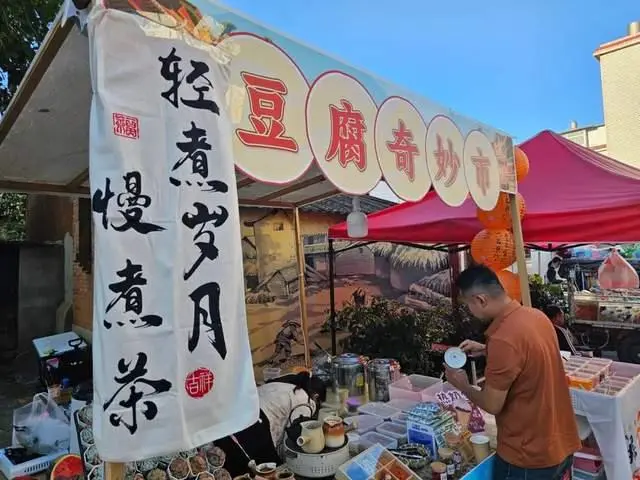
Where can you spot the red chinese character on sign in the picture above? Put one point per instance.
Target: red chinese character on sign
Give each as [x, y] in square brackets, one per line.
[199, 382]
[266, 102]
[126, 126]
[482, 164]
[448, 162]
[404, 149]
[347, 136]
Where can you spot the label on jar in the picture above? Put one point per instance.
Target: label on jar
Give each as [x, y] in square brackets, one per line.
[451, 469]
[360, 380]
[443, 476]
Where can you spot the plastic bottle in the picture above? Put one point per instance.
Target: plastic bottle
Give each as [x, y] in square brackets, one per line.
[65, 392]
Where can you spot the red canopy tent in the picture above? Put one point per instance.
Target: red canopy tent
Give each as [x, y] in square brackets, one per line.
[573, 195]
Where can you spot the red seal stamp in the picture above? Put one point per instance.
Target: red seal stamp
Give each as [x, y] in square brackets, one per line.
[199, 382]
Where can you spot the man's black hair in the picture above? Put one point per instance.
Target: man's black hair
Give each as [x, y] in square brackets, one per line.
[552, 310]
[481, 279]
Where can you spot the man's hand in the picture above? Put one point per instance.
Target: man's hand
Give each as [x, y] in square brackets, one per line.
[472, 348]
[457, 378]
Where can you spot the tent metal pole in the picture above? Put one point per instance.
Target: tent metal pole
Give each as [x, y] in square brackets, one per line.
[332, 298]
[302, 295]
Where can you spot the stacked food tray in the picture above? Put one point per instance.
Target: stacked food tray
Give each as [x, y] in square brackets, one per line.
[203, 463]
[587, 373]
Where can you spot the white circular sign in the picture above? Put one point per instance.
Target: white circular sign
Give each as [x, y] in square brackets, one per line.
[265, 101]
[454, 357]
[481, 170]
[340, 123]
[444, 146]
[399, 138]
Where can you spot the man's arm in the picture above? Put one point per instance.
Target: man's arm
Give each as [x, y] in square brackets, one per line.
[488, 399]
[504, 365]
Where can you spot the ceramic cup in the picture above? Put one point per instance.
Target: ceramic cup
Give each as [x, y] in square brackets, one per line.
[333, 429]
[480, 445]
[267, 470]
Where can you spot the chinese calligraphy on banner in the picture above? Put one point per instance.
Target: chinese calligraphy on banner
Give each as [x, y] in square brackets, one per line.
[173, 367]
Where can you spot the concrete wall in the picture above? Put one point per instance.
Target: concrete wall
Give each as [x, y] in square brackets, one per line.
[40, 291]
[620, 74]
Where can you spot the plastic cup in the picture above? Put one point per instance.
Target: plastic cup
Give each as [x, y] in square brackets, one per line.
[480, 445]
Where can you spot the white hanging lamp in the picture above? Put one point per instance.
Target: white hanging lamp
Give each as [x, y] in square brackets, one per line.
[357, 223]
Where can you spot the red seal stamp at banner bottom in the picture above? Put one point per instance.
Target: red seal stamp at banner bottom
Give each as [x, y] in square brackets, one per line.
[199, 382]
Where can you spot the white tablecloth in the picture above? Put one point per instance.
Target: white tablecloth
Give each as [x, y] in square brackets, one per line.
[615, 422]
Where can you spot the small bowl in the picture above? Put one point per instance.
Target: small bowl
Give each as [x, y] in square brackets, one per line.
[91, 457]
[206, 476]
[187, 469]
[85, 416]
[156, 474]
[86, 437]
[147, 465]
[198, 464]
[216, 457]
[222, 474]
[96, 473]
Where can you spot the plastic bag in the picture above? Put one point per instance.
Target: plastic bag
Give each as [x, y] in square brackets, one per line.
[615, 272]
[42, 426]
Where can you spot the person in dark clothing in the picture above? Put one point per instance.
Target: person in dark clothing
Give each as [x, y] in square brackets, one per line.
[553, 271]
[282, 398]
[566, 340]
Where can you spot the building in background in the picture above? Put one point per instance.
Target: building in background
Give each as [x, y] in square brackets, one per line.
[619, 136]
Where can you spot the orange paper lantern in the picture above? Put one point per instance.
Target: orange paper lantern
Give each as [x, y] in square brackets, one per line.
[500, 216]
[511, 283]
[494, 248]
[522, 164]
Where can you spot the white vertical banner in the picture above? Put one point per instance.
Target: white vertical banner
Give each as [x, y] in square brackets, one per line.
[172, 363]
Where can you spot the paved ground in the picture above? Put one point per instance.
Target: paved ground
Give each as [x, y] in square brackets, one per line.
[18, 383]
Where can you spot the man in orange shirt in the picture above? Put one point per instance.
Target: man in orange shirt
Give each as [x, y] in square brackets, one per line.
[525, 384]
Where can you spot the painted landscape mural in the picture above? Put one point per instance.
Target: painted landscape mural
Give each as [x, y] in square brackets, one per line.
[412, 276]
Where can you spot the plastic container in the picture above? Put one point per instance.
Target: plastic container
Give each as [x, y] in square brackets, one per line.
[482, 471]
[371, 438]
[411, 387]
[400, 418]
[363, 423]
[393, 430]
[29, 468]
[378, 409]
[402, 404]
[588, 460]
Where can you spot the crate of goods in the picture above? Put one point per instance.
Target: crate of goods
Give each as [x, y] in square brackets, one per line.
[378, 409]
[363, 423]
[371, 438]
[375, 463]
[15, 462]
[411, 387]
[393, 430]
[427, 425]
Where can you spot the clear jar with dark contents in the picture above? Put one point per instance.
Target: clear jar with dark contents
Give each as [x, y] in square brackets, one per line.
[446, 457]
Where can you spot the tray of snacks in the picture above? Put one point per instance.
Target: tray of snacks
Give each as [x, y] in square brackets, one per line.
[203, 463]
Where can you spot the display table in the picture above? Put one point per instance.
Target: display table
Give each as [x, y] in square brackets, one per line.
[615, 421]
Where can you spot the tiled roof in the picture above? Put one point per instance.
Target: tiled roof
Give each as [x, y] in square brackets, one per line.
[341, 205]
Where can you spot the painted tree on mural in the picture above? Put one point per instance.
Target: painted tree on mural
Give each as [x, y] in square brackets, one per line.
[23, 25]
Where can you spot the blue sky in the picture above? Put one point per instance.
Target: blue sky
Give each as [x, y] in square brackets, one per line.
[520, 66]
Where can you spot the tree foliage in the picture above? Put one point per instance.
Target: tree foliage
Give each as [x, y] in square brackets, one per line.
[23, 26]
